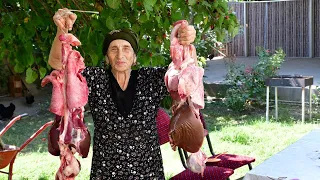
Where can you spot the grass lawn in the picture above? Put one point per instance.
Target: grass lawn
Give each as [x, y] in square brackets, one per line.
[245, 134]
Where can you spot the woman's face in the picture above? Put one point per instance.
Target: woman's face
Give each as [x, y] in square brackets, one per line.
[121, 55]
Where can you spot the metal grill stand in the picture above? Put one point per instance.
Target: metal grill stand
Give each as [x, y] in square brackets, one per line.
[289, 81]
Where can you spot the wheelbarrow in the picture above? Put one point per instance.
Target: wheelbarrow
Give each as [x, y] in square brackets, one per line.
[8, 155]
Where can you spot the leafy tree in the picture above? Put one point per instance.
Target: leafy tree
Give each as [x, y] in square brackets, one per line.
[27, 29]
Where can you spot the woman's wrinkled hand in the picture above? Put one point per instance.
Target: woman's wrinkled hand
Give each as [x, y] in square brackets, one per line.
[64, 19]
[186, 34]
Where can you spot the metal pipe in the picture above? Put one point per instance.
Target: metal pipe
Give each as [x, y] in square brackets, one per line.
[267, 104]
[74, 10]
[302, 103]
[236, 2]
[276, 100]
[310, 103]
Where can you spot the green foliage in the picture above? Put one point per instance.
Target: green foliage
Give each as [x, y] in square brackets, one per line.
[27, 29]
[202, 62]
[248, 83]
[240, 137]
[206, 44]
[4, 77]
[166, 102]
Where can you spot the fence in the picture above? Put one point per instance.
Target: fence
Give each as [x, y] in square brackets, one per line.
[292, 25]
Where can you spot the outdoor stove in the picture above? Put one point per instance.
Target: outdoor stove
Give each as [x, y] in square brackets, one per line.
[289, 81]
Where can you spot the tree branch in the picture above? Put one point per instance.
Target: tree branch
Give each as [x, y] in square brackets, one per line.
[32, 7]
[86, 18]
[45, 7]
[60, 4]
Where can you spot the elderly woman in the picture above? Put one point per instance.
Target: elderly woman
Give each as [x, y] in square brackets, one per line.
[124, 104]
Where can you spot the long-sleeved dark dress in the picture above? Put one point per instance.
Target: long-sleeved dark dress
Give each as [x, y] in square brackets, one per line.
[126, 144]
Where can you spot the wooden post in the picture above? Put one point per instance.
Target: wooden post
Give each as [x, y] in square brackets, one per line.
[311, 28]
[15, 86]
[245, 23]
[265, 39]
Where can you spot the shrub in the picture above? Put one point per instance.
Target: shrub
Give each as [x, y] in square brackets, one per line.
[248, 82]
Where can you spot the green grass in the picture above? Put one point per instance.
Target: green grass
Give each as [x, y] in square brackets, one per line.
[246, 134]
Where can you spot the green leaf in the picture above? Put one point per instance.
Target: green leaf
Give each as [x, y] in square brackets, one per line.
[110, 23]
[105, 13]
[44, 34]
[94, 58]
[31, 75]
[175, 5]
[235, 31]
[136, 28]
[21, 33]
[192, 2]
[151, 2]
[224, 5]
[25, 4]
[37, 20]
[166, 44]
[176, 16]
[158, 60]
[125, 23]
[220, 21]
[145, 59]
[158, 19]
[215, 4]
[154, 44]
[114, 4]
[30, 59]
[96, 23]
[147, 6]
[205, 3]
[18, 68]
[28, 47]
[7, 33]
[143, 18]
[166, 24]
[43, 72]
[143, 43]
[198, 18]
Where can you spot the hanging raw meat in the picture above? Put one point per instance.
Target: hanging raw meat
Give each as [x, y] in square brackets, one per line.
[184, 82]
[68, 134]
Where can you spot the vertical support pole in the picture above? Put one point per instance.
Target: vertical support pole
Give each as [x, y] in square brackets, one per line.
[266, 27]
[245, 23]
[267, 105]
[310, 102]
[311, 28]
[276, 101]
[302, 103]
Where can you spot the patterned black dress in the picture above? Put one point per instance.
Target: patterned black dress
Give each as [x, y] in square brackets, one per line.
[126, 146]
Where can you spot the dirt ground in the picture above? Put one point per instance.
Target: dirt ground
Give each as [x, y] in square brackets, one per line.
[41, 104]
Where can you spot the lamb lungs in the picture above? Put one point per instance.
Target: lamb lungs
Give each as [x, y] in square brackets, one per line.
[184, 82]
[68, 134]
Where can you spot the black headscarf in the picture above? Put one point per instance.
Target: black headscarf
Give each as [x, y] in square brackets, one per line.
[125, 34]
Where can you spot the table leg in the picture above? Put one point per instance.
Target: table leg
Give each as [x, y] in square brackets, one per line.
[276, 100]
[267, 104]
[310, 102]
[302, 103]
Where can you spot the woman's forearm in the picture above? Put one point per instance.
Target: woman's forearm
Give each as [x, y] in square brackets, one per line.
[55, 52]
